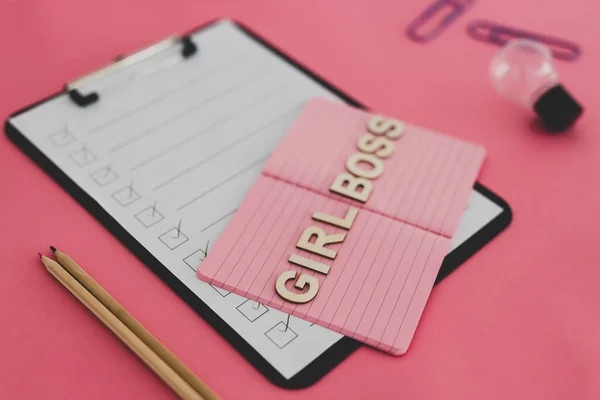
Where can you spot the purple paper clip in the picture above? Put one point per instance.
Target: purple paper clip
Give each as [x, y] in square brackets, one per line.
[455, 9]
[497, 34]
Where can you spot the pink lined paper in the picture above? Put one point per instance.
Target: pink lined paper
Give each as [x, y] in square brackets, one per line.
[380, 280]
[326, 134]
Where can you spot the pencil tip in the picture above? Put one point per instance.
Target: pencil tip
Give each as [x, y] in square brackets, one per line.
[53, 249]
[40, 254]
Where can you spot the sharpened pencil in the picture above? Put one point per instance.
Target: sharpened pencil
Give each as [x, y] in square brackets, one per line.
[109, 302]
[76, 281]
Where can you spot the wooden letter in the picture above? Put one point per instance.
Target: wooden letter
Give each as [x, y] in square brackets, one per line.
[308, 263]
[345, 222]
[381, 146]
[390, 127]
[323, 239]
[348, 185]
[352, 165]
[303, 280]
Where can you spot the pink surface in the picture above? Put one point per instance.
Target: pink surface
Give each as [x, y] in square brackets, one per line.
[417, 202]
[519, 320]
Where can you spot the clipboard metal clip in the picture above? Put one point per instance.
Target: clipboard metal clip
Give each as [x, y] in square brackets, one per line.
[188, 48]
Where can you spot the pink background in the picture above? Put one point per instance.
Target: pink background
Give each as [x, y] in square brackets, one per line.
[520, 320]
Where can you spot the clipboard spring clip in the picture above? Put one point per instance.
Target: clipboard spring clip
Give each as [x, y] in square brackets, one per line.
[490, 32]
[188, 48]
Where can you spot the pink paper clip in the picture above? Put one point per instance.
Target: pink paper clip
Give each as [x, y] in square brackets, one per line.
[455, 9]
[497, 34]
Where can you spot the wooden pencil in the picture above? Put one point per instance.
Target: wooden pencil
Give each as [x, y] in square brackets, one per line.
[152, 360]
[126, 318]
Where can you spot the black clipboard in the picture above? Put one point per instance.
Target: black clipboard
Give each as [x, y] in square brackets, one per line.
[337, 352]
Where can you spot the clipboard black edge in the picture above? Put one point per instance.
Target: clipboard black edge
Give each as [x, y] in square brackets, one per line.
[482, 237]
[334, 354]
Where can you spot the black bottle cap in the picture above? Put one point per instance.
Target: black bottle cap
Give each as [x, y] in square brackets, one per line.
[557, 109]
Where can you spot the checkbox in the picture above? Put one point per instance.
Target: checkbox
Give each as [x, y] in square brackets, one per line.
[83, 157]
[104, 176]
[280, 335]
[62, 139]
[126, 196]
[173, 238]
[195, 259]
[252, 310]
[221, 291]
[149, 216]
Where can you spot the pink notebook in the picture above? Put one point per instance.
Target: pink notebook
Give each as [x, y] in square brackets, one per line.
[349, 223]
